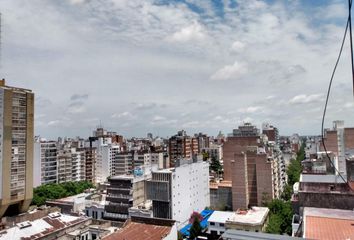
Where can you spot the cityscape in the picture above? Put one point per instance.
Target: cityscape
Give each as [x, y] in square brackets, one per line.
[161, 137]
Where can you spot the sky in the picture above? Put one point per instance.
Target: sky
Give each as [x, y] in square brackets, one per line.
[138, 66]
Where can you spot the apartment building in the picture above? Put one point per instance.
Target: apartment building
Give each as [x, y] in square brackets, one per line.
[78, 163]
[124, 192]
[245, 136]
[177, 192]
[16, 147]
[339, 140]
[254, 165]
[64, 165]
[180, 146]
[45, 163]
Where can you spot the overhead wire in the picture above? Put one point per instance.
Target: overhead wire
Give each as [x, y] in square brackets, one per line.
[348, 26]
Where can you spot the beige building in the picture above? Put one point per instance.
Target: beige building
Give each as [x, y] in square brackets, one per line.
[16, 147]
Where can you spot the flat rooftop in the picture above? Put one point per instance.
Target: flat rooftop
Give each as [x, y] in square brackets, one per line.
[215, 185]
[323, 223]
[253, 216]
[221, 216]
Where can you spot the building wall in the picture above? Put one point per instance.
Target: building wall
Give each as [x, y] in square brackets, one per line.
[190, 190]
[240, 195]
[45, 163]
[16, 162]
[221, 198]
[252, 180]
[235, 145]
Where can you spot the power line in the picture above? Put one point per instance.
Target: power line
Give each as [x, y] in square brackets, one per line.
[330, 85]
[351, 40]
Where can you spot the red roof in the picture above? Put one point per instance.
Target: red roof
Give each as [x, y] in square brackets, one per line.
[329, 228]
[140, 231]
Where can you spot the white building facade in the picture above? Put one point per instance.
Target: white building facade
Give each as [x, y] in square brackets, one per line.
[177, 192]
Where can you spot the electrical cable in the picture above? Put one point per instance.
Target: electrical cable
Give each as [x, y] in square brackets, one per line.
[351, 40]
[330, 85]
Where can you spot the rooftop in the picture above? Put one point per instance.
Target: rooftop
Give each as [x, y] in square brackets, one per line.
[40, 227]
[322, 223]
[243, 235]
[221, 216]
[253, 216]
[140, 231]
[216, 185]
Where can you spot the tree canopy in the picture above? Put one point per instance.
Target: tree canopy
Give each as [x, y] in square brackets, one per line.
[55, 191]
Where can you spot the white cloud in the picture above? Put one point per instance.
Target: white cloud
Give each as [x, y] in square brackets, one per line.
[237, 47]
[193, 32]
[303, 98]
[230, 72]
[153, 52]
[251, 109]
[123, 115]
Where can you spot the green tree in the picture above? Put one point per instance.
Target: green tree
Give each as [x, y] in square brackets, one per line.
[287, 192]
[205, 156]
[274, 224]
[215, 165]
[54, 191]
[195, 229]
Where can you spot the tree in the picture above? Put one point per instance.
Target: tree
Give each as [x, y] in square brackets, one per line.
[215, 165]
[55, 191]
[205, 156]
[274, 224]
[287, 192]
[280, 219]
[195, 229]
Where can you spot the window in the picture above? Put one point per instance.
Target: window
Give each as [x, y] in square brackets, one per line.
[221, 224]
[212, 224]
[221, 232]
[94, 236]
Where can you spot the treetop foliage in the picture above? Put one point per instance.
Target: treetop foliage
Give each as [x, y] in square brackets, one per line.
[55, 191]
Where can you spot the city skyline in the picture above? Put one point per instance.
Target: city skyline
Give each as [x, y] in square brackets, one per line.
[161, 66]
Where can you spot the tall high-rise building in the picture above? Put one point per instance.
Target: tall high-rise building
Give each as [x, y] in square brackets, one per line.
[180, 146]
[237, 142]
[45, 163]
[16, 147]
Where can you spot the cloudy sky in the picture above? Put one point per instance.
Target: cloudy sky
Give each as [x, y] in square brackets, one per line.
[141, 66]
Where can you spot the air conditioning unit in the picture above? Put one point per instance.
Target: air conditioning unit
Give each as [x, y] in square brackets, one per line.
[54, 215]
[24, 224]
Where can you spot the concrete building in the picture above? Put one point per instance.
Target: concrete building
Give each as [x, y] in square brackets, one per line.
[180, 146]
[64, 165]
[241, 138]
[214, 151]
[45, 163]
[322, 223]
[16, 147]
[254, 165]
[253, 220]
[78, 165]
[252, 181]
[339, 140]
[123, 192]
[271, 132]
[221, 195]
[216, 222]
[177, 192]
